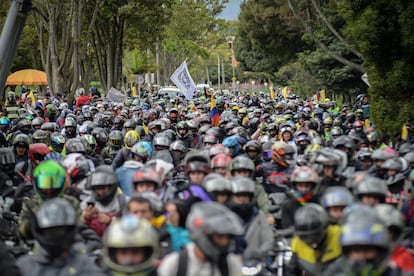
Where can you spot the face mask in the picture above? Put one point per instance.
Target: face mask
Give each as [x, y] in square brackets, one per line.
[244, 210]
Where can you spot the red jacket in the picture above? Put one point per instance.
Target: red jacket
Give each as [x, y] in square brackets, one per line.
[82, 100]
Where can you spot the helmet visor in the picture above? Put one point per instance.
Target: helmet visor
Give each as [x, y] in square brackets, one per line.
[45, 181]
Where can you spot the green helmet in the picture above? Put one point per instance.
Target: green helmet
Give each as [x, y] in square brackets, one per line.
[49, 179]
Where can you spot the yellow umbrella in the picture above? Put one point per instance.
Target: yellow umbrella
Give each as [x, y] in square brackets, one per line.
[27, 77]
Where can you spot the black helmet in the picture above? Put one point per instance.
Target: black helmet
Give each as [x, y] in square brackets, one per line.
[104, 175]
[242, 163]
[311, 221]
[115, 139]
[100, 136]
[7, 161]
[206, 219]
[57, 214]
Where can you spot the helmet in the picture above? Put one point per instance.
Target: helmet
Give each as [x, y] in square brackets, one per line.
[50, 126]
[392, 164]
[37, 152]
[178, 149]
[304, 174]
[345, 141]
[336, 131]
[206, 219]
[21, 139]
[142, 149]
[115, 139]
[75, 145]
[37, 122]
[55, 213]
[382, 154]
[282, 153]
[221, 160]
[146, 175]
[210, 138]
[89, 142]
[76, 165]
[391, 218]
[243, 185]
[131, 138]
[232, 144]
[178, 146]
[11, 97]
[130, 123]
[216, 149]
[130, 232]
[100, 136]
[40, 136]
[242, 163]
[331, 157]
[103, 175]
[311, 221]
[364, 227]
[336, 196]
[4, 121]
[49, 179]
[24, 126]
[197, 166]
[7, 160]
[57, 141]
[161, 140]
[373, 186]
[215, 182]
[253, 145]
[70, 122]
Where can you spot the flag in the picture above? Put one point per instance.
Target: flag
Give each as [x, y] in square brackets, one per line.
[317, 96]
[31, 96]
[404, 132]
[214, 113]
[272, 92]
[181, 77]
[285, 92]
[322, 96]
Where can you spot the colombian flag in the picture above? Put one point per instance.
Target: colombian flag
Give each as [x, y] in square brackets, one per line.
[214, 114]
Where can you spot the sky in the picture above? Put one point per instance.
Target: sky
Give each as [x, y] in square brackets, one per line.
[231, 11]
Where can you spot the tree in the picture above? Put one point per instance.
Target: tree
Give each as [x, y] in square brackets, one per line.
[383, 31]
[267, 37]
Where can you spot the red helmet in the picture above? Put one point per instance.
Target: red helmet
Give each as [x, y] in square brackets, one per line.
[146, 176]
[37, 152]
[221, 160]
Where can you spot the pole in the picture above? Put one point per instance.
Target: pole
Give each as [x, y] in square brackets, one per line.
[218, 72]
[208, 76]
[10, 37]
[157, 61]
[222, 74]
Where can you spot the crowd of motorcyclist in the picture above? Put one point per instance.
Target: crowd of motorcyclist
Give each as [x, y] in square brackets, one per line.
[150, 187]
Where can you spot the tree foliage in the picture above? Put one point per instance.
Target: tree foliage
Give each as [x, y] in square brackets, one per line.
[383, 31]
[266, 39]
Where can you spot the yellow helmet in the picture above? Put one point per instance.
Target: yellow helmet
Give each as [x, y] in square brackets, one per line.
[131, 138]
[130, 232]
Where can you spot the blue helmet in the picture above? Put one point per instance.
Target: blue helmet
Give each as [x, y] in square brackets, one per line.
[143, 149]
[232, 143]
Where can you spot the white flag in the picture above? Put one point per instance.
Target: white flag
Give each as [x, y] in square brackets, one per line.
[183, 80]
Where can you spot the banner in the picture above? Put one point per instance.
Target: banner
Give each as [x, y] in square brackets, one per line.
[322, 96]
[285, 92]
[272, 92]
[181, 77]
[116, 96]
